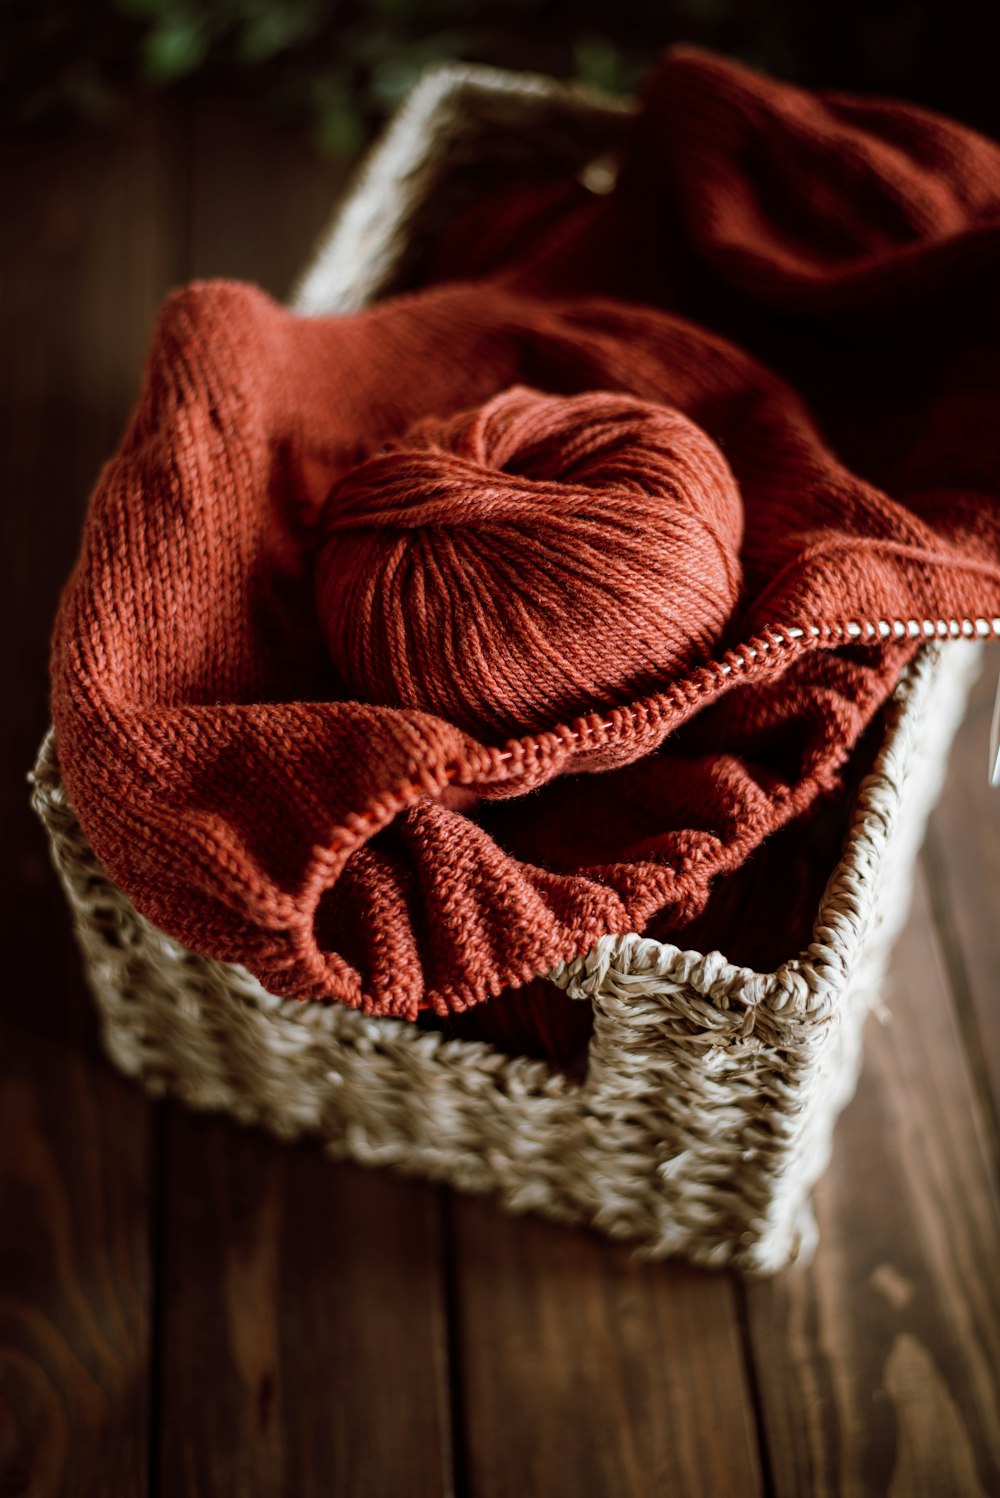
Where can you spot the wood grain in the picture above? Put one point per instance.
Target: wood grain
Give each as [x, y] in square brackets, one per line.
[303, 1340]
[879, 1365]
[277, 1324]
[533, 1399]
[74, 1274]
[963, 856]
[94, 253]
[90, 253]
[584, 1371]
[303, 1335]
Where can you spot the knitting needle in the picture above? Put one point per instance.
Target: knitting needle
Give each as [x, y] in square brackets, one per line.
[994, 765]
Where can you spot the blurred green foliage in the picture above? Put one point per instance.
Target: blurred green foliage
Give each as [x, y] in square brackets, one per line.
[342, 65]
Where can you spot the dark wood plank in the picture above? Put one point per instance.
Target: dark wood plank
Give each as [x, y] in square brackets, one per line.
[879, 1365]
[96, 249]
[302, 1301]
[92, 251]
[74, 1274]
[584, 1371]
[963, 856]
[536, 1412]
[261, 198]
[304, 1338]
[305, 1348]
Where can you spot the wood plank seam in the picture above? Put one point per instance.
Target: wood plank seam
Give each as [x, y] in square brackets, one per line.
[753, 1384]
[158, 1150]
[961, 990]
[460, 1470]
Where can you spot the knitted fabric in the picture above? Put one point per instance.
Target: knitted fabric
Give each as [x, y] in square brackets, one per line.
[799, 290]
[518, 564]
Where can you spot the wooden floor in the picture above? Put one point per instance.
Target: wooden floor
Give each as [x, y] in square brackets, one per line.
[186, 1308]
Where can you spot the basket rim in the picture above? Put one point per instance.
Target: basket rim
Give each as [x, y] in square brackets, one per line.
[356, 258]
[404, 165]
[815, 978]
[402, 169]
[805, 983]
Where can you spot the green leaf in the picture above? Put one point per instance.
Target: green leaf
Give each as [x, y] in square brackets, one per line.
[175, 49]
[599, 63]
[271, 31]
[339, 128]
[391, 79]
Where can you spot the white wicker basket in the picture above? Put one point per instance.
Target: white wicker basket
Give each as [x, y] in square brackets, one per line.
[706, 1113]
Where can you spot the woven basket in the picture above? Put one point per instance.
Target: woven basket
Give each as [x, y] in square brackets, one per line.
[707, 1108]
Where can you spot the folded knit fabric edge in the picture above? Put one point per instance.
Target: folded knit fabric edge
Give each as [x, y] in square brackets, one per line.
[261, 811]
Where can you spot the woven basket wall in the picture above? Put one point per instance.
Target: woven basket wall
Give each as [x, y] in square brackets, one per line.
[711, 1091]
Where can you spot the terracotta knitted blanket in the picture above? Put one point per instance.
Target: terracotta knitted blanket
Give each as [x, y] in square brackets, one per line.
[409, 653]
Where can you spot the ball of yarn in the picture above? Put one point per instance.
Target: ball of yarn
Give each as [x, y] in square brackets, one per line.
[531, 560]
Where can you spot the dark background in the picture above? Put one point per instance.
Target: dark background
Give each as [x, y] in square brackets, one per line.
[338, 67]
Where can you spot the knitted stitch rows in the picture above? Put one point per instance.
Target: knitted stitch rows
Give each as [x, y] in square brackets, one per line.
[327, 844]
[527, 561]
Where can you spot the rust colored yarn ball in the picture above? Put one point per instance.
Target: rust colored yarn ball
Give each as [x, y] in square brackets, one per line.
[529, 561]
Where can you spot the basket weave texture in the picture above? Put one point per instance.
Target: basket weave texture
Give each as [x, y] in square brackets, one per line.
[706, 1113]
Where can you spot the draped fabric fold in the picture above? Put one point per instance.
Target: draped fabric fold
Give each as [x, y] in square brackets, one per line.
[802, 282]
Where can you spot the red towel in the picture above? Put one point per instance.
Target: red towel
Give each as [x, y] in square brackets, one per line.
[810, 280]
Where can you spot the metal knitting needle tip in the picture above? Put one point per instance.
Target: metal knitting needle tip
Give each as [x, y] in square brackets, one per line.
[994, 765]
